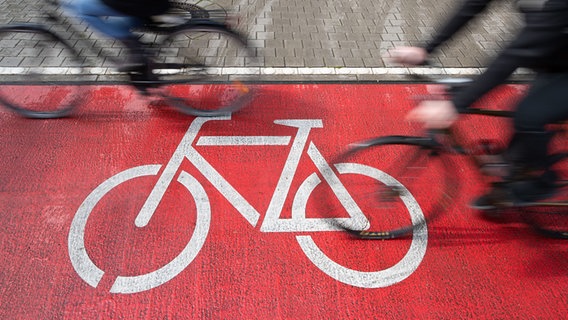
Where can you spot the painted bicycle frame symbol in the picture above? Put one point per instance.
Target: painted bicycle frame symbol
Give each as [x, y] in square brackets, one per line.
[90, 273]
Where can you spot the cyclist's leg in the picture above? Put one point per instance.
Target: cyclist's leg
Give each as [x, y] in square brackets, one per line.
[545, 103]
[113, 24]
[105, 19]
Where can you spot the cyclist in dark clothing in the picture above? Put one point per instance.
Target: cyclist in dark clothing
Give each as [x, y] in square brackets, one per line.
[541, 45]
[116, 18]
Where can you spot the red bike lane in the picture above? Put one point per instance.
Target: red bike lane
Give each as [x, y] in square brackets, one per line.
[231, 235]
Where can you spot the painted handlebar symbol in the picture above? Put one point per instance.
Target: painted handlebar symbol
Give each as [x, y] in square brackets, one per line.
[272, 222]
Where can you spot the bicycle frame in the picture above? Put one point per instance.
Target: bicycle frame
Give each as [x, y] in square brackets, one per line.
[272, 221]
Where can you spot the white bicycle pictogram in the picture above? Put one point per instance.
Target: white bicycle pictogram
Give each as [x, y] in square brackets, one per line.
[272, 222]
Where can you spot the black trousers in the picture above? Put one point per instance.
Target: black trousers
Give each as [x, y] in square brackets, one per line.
[545, 103]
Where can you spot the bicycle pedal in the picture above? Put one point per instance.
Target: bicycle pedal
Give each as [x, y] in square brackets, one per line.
[129, 69]
[495, 169]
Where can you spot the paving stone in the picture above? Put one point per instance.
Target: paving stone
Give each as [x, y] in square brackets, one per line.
[289, 32]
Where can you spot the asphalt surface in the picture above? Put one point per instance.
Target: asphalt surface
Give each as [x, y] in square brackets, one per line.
[238, 207]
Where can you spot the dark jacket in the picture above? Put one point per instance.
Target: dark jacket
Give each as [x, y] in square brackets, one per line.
[139, 8]
[541, 45]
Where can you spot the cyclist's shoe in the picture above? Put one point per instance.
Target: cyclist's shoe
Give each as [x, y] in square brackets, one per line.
[500, 196]
[143, 79]
[518, 193]
[537, 188]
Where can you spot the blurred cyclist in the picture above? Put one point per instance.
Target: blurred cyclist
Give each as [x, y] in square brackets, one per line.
[542, 45]
[116, 18]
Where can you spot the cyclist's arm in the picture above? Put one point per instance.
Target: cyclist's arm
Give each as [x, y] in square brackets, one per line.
[539, 44]
[416, 55]
[467, 11]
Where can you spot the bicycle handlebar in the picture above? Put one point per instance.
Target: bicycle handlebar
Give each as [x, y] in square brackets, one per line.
[453, 85]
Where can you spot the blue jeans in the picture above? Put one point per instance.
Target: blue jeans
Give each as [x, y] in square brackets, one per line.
[105, 19]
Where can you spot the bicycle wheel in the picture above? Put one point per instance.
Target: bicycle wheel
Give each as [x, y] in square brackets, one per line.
[39, 72]
[199, 10]
[182, 13]
[402, 184]
[206, 70]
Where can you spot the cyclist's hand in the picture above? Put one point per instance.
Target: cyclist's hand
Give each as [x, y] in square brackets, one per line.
[438, 114]
[408, 55]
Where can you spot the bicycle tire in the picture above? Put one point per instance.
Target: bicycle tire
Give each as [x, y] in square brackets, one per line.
[40, 79]
[181, 13]
[206, 70]
[417, 185]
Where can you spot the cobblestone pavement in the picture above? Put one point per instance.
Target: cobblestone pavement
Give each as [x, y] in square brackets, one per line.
[315, 39]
